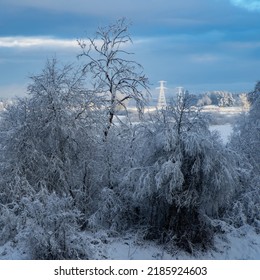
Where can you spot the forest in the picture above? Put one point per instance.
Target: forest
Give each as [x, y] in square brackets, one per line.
[71, 167]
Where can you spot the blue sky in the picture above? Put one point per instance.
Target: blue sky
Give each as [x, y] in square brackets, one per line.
[198, 44]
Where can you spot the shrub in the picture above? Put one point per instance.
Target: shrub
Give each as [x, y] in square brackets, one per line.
[51, 229]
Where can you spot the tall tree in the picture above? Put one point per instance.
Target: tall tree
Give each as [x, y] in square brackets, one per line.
[113, 75]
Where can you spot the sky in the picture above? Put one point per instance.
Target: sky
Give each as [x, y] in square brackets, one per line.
[201, 45]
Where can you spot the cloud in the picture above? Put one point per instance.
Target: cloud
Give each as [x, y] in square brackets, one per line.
[154, 11]
[108, 7]
[204, 58]
[251, 5]
[184, 42]
[29, 42]
[67, 18]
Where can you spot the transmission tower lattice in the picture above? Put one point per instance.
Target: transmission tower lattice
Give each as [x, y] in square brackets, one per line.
[180, 90]
[161, 100]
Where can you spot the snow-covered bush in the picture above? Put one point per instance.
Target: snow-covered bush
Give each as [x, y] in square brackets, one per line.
[50, 229]
[245, 209]
[8, 222]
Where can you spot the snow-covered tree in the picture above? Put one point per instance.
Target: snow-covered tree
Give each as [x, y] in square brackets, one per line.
[244, 101]
[49, 145]
[205, 100]
[114, 76]
[188, 178]
[48, 138]
[246, 141]
[246, 136]
[254, 95]
[221, 98]
[225, 99]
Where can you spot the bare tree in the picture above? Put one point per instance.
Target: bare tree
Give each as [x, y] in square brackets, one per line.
[113, 75]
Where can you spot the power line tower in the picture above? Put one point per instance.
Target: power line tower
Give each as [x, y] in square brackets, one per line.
[180, 90]
[161, 100]
[180, 93]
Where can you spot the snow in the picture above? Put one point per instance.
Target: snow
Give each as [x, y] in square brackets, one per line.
[241, 244]
[224, 130]
[10, 251]
[129, 250]
[238, 244]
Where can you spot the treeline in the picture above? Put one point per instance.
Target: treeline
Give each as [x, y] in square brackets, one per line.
[70, 165]
[218, 98]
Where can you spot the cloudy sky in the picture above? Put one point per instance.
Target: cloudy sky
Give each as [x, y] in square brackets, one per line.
[198, 44]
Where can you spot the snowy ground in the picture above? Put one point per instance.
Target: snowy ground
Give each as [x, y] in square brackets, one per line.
[239, 244]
